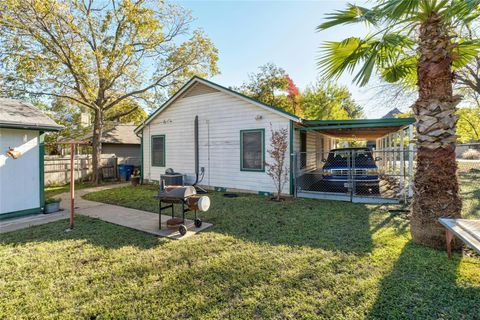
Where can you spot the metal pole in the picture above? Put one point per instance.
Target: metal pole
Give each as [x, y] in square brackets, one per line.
[72, 184]
[410, 160]
[402, 164]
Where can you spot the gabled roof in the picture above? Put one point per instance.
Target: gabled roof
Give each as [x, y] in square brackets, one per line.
[22, 115]
[122, 133]
[196, 80]
[392, 113]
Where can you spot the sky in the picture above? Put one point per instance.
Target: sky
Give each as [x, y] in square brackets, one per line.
[249, 34]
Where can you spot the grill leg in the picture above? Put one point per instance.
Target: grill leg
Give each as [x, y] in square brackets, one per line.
[183, 212]
[159, 214]
[172, 211]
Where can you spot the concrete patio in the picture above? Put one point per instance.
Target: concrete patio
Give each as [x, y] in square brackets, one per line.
[131, 218]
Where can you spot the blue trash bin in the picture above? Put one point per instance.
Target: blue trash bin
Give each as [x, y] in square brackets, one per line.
[129, 169]
[122, 172]
[125, 171]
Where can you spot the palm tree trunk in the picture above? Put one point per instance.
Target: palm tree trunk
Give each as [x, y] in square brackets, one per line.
[435, 182]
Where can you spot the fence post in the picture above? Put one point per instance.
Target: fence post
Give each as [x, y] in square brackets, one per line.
[402, 162]
[115, 168]
[410, 160]
[294, 164]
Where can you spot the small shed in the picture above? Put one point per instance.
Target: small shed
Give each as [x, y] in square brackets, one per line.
[22, 132]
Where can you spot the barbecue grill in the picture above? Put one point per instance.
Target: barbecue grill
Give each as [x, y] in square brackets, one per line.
[186, 196]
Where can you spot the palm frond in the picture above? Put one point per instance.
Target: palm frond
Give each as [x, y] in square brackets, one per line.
[402, 71]
[395, 10]
[340, 56]
[352, 14]
[464, 52]
[462, 11]
[365, 54]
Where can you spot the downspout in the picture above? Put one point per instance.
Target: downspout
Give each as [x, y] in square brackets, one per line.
[291, 158]
[196, 150]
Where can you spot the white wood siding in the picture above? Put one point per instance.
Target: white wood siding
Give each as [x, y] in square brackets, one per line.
[221, 117]
[314, 150]
[19, 178]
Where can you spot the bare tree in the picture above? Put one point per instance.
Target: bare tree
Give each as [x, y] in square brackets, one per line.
[277, 170]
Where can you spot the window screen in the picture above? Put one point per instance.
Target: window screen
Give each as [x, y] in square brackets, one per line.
[252, 150]
[158, 151]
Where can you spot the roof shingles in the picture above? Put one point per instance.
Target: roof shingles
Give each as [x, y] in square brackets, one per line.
[19, 114]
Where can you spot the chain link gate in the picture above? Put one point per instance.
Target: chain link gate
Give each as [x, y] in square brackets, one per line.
[355, 174]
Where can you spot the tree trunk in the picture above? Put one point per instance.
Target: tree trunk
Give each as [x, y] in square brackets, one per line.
[435, 182]
[97, 146]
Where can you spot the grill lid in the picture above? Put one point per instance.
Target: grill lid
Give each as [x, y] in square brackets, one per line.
[177, 192]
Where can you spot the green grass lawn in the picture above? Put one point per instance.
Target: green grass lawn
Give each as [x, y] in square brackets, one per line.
[298, 259]
[56, 190]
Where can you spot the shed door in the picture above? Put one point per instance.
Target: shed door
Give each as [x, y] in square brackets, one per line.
[19, 178]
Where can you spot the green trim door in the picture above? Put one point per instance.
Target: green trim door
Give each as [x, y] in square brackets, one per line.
[41, 155]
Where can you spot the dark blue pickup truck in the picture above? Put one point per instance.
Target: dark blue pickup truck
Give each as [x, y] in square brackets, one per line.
[347, 166]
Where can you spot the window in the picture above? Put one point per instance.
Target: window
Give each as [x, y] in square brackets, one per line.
[158, 151]
[303, 149]
[252, 150]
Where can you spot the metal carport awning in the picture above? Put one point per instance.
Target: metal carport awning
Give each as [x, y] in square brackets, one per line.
[368, 129]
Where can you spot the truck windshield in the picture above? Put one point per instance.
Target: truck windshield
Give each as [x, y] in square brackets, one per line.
[342, 157]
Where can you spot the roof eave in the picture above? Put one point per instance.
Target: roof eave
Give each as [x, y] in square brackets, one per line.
[30, 127]
[195, 79]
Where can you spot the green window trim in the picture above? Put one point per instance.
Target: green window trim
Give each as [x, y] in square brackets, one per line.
[262, 131]
[162, 163]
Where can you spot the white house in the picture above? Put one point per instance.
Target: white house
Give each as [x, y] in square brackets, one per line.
[22, 130]
[233, 136]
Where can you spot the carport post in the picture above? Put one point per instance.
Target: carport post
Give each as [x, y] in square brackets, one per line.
[72, 183]
[410, 160]
[402, 162]
[389, 149]
[394, 149]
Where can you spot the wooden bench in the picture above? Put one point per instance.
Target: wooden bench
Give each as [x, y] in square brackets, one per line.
[466, 230]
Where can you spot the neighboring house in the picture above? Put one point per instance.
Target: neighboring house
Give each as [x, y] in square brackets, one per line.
[119, 140]
[234, 134]
[22, 130]
[392, 113]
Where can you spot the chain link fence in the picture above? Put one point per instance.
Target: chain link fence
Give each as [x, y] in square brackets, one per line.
[355, 174]
[363, 175]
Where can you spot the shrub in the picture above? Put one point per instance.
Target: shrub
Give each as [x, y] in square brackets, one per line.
[471, 154]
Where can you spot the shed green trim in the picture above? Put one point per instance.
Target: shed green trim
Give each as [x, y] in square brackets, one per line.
[292, 160]
[19, 213]
[162, 163]
[262, 131]
[41, 150]
[29, 127]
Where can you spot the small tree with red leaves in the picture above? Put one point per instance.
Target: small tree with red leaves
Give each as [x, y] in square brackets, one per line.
[293, 96]
[277, 170]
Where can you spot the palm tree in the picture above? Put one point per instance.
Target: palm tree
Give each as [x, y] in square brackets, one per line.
[415, 43]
